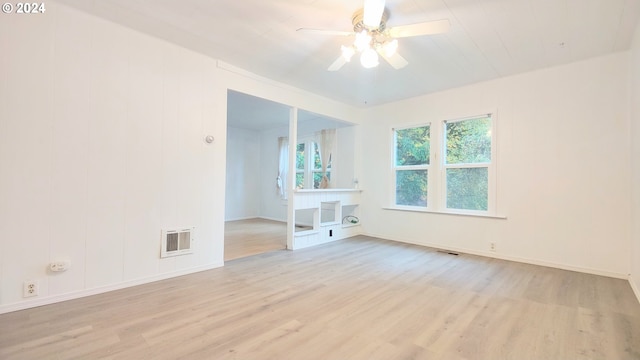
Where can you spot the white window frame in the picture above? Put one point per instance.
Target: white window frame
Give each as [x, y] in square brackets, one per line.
[309, 170]
[436, 170]
[427, 167]
[491, 169]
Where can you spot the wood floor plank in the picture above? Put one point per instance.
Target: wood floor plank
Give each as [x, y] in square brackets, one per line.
[360, 298]
[248, 237]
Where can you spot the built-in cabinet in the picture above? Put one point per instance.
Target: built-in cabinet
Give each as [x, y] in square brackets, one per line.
[325, 215]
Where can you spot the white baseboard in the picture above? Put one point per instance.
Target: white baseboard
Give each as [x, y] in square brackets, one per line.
[272, 219]
[242, 218]
[22, 305]
[257, 217]
[512, 258]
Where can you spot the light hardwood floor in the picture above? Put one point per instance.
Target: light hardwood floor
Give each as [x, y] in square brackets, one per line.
[253, 236]
[360, 298]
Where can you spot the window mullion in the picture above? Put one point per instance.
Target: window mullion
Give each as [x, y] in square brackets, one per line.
[412, 167]
[466, 166]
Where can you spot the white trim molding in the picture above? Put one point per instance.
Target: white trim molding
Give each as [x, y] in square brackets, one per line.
[22, 305]
[493, 255]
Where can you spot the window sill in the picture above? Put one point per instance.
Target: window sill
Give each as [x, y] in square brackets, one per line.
[325, 190]
[412, 209]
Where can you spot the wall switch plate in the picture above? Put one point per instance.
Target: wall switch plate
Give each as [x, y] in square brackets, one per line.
[59, 266]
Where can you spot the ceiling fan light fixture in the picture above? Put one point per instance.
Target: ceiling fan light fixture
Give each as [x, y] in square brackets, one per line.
[363, 41]
[347, 52]
[390, 48]
[374, 39]
[369, 59]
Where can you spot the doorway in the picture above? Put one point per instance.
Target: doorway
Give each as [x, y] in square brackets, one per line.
[255, 215]
[256, 211]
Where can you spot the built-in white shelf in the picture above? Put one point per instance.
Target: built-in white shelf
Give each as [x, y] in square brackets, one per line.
[326, 210]
[330, 213]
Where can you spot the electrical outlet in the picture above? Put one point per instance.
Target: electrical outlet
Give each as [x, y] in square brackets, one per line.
[30, 288]
[492, 246]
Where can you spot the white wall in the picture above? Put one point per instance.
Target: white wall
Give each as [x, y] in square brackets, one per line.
[635, 161]
[563, 182]
[101, 147]
[345, 159]
[243, 174]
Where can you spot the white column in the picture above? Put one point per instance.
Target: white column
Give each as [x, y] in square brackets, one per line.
[291, 181]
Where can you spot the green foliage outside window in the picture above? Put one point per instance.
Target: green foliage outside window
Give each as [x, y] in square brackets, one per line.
[468, 142]
[300, 157]
[412, 146]
[412, 149]
[299, 180]
[300, 166]
[411, 187]
[317, 163]
[467, 188]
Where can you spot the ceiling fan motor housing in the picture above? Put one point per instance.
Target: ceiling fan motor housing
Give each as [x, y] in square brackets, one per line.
[358, 22]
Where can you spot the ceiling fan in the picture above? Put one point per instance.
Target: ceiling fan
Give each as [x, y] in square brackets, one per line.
[373, 37]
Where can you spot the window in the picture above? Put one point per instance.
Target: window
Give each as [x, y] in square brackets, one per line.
[300, 165]
[467, 161]
[309, 165]
[453, 171]
[411, 165]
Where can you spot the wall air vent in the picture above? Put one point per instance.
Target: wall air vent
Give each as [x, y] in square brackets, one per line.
[177, 242]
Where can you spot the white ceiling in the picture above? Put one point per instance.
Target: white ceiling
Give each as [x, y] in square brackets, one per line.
[488, 39]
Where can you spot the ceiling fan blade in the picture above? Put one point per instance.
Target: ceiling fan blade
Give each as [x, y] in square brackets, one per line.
[395, 60]
[373, 10]
[425, 28]
[339, 63]
[325, 32]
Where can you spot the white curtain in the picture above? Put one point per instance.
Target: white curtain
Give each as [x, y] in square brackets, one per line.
[325, 140]
[283, 165]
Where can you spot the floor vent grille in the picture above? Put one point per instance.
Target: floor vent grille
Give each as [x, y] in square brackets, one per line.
[448, 252]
